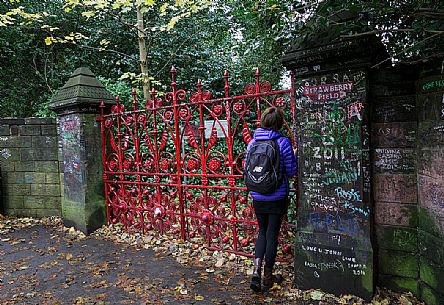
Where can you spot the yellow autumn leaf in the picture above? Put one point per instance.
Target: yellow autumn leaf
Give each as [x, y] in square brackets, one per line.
[276, 286]
[199, 298]
[180, 2]
[48, 41]
[163, 8]
[79, 36]
[104, 42]
[172, 22]
[5, 20]
[125, 9]
[88, 14]
[144, 10]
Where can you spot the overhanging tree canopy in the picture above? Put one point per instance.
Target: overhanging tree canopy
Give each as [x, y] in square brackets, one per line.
[42, 42]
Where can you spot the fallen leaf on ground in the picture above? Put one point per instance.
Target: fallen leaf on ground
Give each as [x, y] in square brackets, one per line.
[220, 263]
[316, 295]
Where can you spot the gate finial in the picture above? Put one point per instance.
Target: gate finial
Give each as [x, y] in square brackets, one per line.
[173, 83]
[150, 102]
[199, 89]
[227, 86]
[134, 93]
[102, 109]
[257, 75]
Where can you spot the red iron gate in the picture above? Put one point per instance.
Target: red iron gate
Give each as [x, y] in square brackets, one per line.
[174, 167]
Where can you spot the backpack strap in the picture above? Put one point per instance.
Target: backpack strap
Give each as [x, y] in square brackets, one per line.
[279, 140]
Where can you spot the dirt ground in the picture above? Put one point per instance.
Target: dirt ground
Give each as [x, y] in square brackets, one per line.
[43, 262]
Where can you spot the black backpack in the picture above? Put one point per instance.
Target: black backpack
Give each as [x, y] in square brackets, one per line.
[261, 174]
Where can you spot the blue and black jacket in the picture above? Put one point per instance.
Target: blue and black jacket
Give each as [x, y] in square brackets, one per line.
[288, 163]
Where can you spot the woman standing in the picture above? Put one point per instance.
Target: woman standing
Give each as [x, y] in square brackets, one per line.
[270, 208]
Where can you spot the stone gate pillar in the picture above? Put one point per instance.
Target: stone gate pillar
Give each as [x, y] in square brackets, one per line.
[76, 105]
[333, 247]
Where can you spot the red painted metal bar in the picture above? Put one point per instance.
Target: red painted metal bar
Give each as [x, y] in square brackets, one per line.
[177, 141]
[104, 175]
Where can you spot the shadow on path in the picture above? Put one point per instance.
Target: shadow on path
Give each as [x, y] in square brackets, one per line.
[39, 265]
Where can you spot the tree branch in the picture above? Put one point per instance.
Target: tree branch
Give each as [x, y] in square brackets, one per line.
[430, 12]
[45, 72]
[374, 32]
[101, 49]
[119, 19]
[407, 49]
[171, 56]
[414, 62]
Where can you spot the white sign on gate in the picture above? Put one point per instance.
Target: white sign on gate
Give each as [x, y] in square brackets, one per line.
[221, 126]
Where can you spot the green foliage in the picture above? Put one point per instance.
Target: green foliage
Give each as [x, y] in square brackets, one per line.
[42, 107]
[119, 88]
[40, 53]
[43, 42]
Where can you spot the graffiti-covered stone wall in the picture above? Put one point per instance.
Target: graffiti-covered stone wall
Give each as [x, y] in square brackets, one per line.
[371, 171]
[83, 202]
[77, 106]
[334, 250]
[29, 160]
[333, 239]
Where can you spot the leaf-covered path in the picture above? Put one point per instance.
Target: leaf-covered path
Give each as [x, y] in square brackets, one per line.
[40, 265]
[43, 262]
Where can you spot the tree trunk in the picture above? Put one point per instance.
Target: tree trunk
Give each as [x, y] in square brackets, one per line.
[142, 53]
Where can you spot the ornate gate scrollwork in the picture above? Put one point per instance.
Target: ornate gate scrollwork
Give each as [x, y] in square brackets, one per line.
[174, 166]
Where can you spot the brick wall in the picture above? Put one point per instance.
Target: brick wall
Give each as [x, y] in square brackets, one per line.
[408, 179]
[29, 159]
[394, 129]
[430, 103]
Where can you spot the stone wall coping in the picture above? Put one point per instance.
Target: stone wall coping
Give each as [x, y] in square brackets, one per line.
[27, 121]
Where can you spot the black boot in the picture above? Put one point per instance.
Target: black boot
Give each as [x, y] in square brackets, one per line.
[270, 279]
[256, 278]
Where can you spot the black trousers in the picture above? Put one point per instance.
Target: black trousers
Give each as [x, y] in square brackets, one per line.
[267, 240]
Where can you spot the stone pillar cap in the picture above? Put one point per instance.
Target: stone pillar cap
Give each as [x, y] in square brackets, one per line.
[328, 50]
[81, 93]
